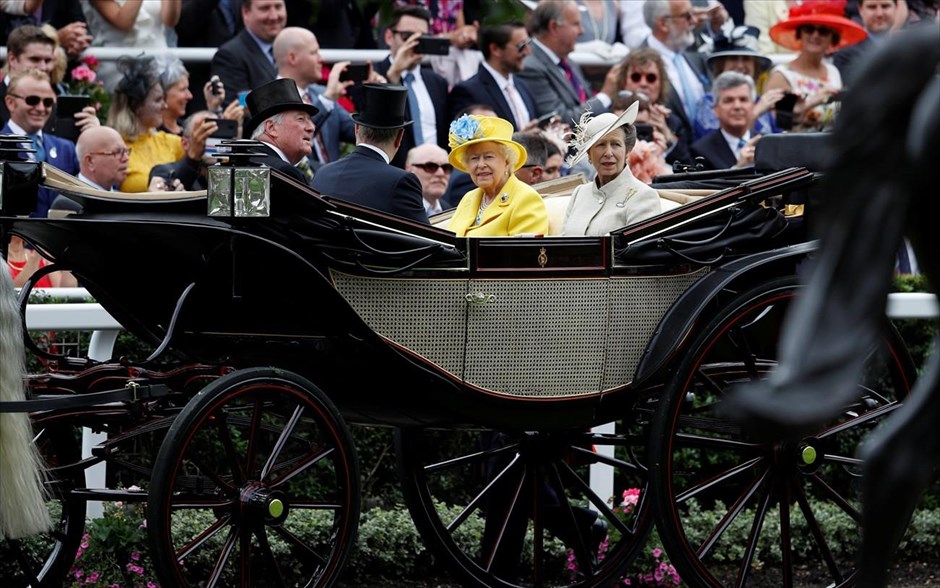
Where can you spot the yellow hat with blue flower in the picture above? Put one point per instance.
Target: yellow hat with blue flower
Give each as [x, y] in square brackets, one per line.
[471, 129]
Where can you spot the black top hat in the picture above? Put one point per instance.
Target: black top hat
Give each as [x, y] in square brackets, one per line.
[271, 98]
[383, 107]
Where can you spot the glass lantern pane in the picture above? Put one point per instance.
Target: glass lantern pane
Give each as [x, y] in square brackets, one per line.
[252, 191]
[220, 191]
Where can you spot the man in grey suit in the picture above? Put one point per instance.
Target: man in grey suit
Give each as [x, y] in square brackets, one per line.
[297, 54]
[247, 61]
[671, 23]
[558, 84]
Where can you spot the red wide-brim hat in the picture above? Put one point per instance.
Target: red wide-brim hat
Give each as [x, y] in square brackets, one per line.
[826, 14]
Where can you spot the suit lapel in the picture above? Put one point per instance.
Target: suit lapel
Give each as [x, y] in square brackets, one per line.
[503, 109]
[555, 74]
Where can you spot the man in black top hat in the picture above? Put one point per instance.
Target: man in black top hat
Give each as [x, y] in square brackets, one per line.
[284, 125]
[365, 176]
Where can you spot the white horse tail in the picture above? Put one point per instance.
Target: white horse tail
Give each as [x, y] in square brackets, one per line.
[22, 496]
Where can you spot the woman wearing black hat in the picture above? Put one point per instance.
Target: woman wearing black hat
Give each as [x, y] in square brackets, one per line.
[283, 123]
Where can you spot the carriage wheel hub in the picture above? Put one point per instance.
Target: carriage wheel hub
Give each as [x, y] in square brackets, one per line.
[259, 504]
[808, 454]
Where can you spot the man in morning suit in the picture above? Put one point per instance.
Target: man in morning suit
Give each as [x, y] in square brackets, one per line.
[247, 61]
[284, 125]
[365, 176]
[670, 23]
[558, 84]
[504, 48]
[732, 145]
[427, 91]
[297, 54]
[30, 100]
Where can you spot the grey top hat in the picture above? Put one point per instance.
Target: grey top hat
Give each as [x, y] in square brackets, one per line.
[269, 99]
[742, 41]
[383, 106]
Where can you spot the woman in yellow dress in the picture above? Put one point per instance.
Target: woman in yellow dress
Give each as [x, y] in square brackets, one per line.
[502, 205]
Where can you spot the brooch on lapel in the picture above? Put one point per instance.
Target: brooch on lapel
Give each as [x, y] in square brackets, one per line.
[53, 153]
[623, 202]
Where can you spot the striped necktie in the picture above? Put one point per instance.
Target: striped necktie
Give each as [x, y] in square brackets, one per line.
[573, 80]
[40, 154]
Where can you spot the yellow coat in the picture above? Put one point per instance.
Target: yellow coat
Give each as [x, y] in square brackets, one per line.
[148, 150]
[517, 210]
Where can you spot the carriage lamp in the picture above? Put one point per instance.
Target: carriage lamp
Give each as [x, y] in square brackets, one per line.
[19, 179]
[237, 188]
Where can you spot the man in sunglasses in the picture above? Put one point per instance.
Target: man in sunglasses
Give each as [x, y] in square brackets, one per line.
[429, 163]
[504, 48]
[30, 100]
[27, 48]
[427, 90]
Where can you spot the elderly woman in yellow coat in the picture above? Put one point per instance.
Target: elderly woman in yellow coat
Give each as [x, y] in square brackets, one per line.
[615, 198]
[502, 205]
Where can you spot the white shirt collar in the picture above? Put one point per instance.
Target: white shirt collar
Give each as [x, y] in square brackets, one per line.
[18, 130]
[93, 183]
[501, 81]
[377, 150]
[278, 151]
[551, 54]
[659, 46]
[431, 209]
[733, 141]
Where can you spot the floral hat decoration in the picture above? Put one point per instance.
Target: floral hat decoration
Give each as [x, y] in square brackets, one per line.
[471, 129]
[591, 129]
[824, 13]
[740, 42]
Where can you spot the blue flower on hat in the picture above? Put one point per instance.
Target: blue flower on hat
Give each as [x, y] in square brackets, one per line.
[466, 128]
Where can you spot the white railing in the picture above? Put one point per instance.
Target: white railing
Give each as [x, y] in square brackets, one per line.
[93, 317]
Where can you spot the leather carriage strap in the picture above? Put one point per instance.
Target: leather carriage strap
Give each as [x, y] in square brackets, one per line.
[130, 393]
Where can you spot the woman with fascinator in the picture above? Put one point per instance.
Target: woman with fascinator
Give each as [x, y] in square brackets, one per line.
[615, 198]
[137, 106]
[502, 205]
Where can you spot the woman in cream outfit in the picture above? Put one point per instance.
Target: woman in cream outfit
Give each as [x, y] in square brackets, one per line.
[615, 198]
[502, 205]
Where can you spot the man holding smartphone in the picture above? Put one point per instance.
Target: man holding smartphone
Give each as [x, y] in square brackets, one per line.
[427, 91]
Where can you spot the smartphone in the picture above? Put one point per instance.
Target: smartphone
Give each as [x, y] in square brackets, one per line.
[644, 132]
[63, 123]
[783, 111]
[227, 129]
[547, 119]
[241, 98]
[432, 46]
[355, 72]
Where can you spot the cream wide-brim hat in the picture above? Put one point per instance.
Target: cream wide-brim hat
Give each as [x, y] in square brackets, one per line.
[587, 134]
[471, 129]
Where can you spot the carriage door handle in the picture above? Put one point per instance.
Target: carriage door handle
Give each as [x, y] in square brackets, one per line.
[479, 298]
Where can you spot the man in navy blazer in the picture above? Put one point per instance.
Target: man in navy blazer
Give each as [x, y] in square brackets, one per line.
[732, 145]
[297, 53]
[426, 90]
[504, 49]
[283, 123]
[365, 176]
[558, 84]
[29, 119]
[247, 61]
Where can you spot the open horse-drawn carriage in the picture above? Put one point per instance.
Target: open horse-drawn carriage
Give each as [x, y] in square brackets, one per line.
[511, 365]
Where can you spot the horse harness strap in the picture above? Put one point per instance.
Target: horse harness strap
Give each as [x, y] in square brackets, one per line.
[131, 393]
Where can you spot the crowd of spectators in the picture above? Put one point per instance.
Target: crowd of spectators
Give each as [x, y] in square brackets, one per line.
[701, 74]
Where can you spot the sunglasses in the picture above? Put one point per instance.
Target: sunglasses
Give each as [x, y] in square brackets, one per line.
[34, 100]
[432, 167]
[521, 45]
[116, 153]
[820, 30]
[636, 76]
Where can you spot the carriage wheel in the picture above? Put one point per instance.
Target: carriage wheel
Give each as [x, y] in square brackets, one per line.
[516, 508]
[734, 510]
[44, 560]
[256, 484]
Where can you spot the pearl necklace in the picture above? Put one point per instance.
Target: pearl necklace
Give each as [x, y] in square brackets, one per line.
[484, 203]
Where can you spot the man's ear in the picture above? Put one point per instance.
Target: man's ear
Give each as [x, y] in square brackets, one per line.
[399, 137]
[537, 172]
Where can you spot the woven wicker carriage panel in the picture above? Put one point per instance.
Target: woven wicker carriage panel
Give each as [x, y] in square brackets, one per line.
[538, 337]
[637, 306]
[426, 316]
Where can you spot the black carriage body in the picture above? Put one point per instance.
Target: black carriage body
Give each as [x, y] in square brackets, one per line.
[402, 323]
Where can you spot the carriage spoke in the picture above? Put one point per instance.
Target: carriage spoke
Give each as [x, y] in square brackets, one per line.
[595, 457]
[491, 556]
[281, 441]
[182, 502]
[253, 429]
[269, 555]
[216, 575]
[730, 516]
[598, 503]
[244, 560]
[752, 539]
[538, 537]
[837, 498]
[299, 545]
[201, 538]
[238, 472]
[26, 564]
[478, 499]
[470, 458]
[718, 478]
[208, 472]
[581, 551]
[786, 534]
[817, 533]
[860, 420]
[301, 467]
[700, 441]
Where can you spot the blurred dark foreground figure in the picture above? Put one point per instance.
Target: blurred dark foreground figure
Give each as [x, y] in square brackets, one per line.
[880, 187]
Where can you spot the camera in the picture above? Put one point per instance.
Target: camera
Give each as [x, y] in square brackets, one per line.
[215, 86]
[644, 132]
